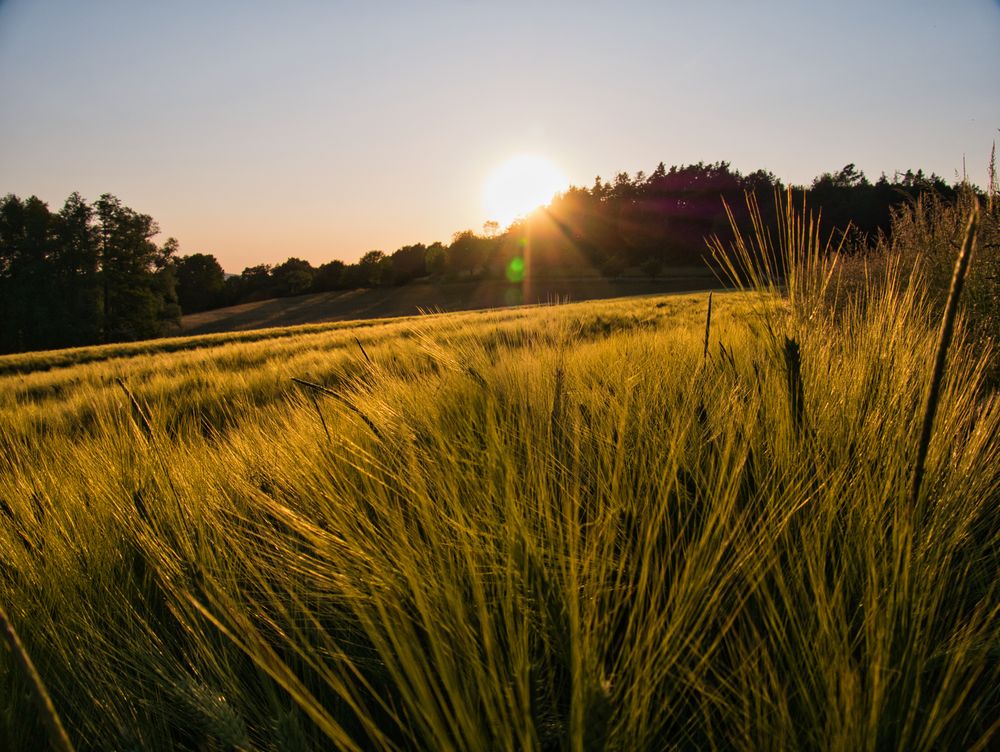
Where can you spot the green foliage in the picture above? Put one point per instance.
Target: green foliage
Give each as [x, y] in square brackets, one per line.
[591, 526]
[468, 253]
[436, 259]
[374, 269]
[293, 277]
[550, 528]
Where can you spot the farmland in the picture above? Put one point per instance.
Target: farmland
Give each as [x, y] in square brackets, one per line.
[417, 297]
[467, 377]
[568, 526]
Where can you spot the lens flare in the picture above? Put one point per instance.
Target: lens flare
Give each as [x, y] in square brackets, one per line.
[515, 269]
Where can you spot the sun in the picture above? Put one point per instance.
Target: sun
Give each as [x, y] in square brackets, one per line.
[519, 186]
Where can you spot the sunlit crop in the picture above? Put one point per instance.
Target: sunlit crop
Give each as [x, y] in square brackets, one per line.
[564, 527]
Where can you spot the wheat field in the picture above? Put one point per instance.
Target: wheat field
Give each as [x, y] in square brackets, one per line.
[580, 526]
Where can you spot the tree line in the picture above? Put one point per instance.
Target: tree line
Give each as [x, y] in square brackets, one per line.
[88, 273]
[91, 273]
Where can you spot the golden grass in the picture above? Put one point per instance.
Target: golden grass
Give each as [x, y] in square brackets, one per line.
[570, 529]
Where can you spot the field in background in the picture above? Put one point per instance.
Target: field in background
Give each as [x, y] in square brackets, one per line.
[413, 298]
[562, 527]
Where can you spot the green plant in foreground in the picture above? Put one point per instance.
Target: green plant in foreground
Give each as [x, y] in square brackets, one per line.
[570, 530]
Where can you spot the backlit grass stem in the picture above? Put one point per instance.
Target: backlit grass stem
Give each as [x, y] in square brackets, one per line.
[57, 734]
[940, 357]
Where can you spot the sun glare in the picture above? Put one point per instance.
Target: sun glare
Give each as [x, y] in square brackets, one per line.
[519, 186]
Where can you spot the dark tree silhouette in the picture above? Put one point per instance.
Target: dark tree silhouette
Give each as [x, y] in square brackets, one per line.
[136, 277]
[436, 259]
[293, 277]
[374, 269]
[408, 263]
[329, 276]
[92, 273]
[201, 282]
[77, 275]
[89, 273]
[255, 283]
[466, 254]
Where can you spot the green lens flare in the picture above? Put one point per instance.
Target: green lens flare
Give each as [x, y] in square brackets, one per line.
[515, 269]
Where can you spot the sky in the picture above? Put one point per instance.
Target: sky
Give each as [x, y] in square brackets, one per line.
[257, 131]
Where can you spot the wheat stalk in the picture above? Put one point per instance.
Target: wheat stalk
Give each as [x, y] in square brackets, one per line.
[944, 342]
[57, 734]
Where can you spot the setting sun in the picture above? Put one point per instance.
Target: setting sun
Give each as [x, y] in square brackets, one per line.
[519, 186]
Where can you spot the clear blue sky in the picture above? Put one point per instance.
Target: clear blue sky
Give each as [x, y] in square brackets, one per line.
[261, 130]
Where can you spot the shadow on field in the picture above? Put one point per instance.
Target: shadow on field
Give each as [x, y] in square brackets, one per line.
[448, 296]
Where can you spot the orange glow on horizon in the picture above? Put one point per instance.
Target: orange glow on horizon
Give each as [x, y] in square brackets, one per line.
[519, 186]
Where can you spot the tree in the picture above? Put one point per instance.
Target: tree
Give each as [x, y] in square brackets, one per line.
[292, 277]
[383, 274]
[26, 288]
[370, 268]
[200, 282]
[255, 282]
[82, 275]
[466, 253]
[77, 274]
[133, 291]
[848, 177]
[355, 276]
[165, 287]
[329, 276]
[409, 263]
[435, 259]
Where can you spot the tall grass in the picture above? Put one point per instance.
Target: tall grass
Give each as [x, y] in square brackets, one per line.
[570, 530]
[921, 251]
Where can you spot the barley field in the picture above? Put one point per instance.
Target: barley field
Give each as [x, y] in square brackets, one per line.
[611, 525]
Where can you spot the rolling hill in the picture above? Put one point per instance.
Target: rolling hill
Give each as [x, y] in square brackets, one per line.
[428, 296]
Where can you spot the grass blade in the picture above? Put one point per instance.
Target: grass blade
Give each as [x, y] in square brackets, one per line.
[344, 401]
[57, 734]
[944, 342]
[708, 326]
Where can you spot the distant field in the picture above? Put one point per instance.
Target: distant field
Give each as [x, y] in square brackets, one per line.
[539, 528]
[411, 299]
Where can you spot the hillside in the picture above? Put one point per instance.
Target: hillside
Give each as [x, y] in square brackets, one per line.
[427, 296]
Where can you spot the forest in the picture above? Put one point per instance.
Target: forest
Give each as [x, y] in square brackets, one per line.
[92, 273]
